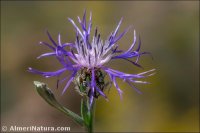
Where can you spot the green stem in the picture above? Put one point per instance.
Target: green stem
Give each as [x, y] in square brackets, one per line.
[92, 115]
[87, 114]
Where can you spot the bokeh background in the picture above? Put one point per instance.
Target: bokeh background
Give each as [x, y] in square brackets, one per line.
[169, 30]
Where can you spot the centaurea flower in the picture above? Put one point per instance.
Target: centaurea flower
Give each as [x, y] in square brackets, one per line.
[86, 59]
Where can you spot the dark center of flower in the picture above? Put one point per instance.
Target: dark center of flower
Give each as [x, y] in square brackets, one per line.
[83, 82]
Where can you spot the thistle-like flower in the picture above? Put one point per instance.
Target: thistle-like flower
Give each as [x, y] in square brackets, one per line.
[86, 58]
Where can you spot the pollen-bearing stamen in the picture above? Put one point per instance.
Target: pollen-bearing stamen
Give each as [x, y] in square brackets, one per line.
[87, 56]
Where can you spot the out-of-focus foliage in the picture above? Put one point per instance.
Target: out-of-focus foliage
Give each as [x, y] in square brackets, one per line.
[169, 30]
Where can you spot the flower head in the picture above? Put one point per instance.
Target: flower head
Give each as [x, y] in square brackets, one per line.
[87, 56]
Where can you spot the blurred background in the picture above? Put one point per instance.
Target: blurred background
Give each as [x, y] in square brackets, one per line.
[169, 30]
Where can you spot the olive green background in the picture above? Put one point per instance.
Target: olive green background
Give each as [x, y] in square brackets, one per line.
[169, 30]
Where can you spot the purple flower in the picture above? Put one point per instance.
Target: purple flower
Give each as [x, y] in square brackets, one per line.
[87, 56]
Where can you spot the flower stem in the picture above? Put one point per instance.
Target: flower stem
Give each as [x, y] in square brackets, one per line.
[87, 114]
[92, 115]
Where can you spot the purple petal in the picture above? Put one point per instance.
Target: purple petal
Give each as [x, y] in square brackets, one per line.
[46, 54]
[126, 55]
[68, 62]
[90, 23]
[133, 44]
[120, 36]
[84, 19]
[116, 85]
[93, 83]
[76, 27]
[134, 63]
[116, 30]
[151, 74]
[47, 74]
[67, 65]
[50, 38]
[101, 93]
[79, 20]
[44, 43]
[59, 40]
[59, 51]
[69, 81]
[68, 44]
[115, 50]
[81, 23]
[146, 72]
[139, 45]
[143, 54]
[140, 82]
[138, 91]
[121, 74]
